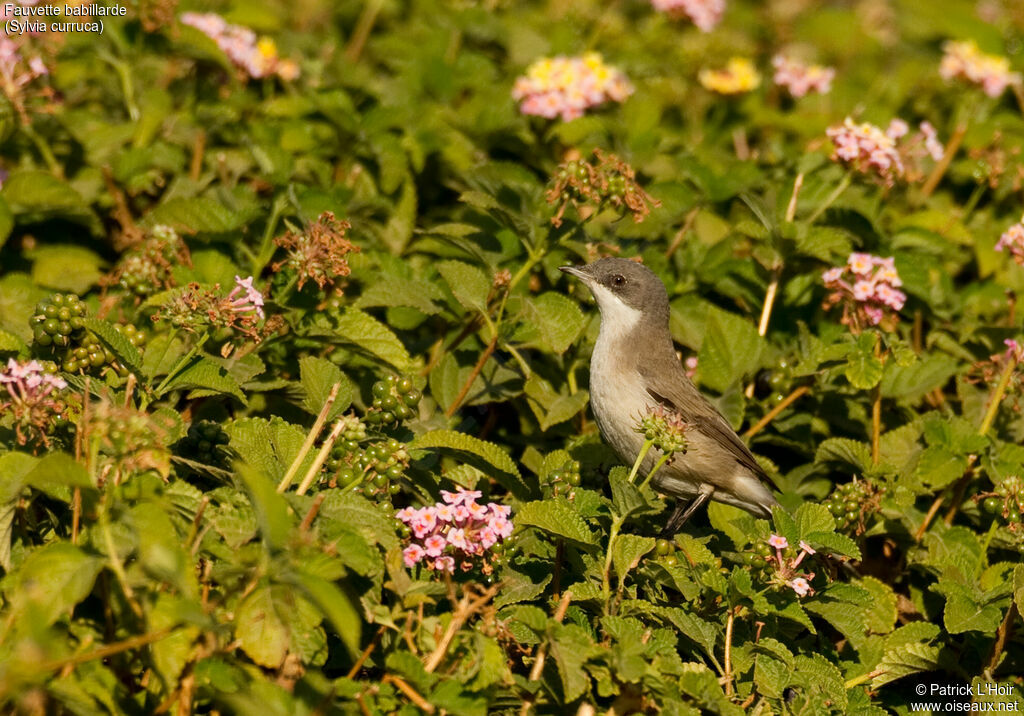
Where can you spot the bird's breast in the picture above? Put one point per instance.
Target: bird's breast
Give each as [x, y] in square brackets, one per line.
[619, 400]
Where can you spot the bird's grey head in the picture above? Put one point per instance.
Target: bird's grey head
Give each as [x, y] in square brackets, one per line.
[627, 293]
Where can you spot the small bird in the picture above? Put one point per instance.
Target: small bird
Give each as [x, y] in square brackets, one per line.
[634, 369]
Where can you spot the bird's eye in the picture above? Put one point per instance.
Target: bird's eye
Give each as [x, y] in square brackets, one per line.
[618, 280]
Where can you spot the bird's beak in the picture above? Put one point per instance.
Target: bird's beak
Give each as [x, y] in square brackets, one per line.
[576, 271]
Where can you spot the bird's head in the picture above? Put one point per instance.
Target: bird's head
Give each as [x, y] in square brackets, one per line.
[626, 292]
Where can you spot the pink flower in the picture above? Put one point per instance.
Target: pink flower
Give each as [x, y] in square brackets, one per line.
[963, 60]
[931, 141]
[406, 514]
[457, 539]
[799, 79]
[705, 14]
[863, 290]
[251, 301]
[801, 586]
[462, 497]
[870, 290]
[778, 542]
[1012, 241]
[868, 149]
[445, 513]
[435, 545]
[832, 275]
[496, 509]
[1014, 350]
[806, 547]
[568, 86]
[256, 56]
[412, 554]
[445, 564]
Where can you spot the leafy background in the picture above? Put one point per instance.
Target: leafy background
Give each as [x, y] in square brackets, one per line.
[191, 584]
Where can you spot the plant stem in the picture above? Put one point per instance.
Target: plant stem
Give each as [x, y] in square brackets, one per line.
[311, 437]
[683, 231]
[538, 663]
[180, 365]
[44, 150]
[728, 651]
[321, 458]
[769, 300]
[863, 678]
[606, 580]
[771, 414]
[472, 376]
[997, 395]
[362, 30]
[943, 164]
[661, 463]
[791, 207]
[639, 459]
[115, 562]
[836, 193]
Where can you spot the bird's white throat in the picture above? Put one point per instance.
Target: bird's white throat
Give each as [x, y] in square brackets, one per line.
[617, 319]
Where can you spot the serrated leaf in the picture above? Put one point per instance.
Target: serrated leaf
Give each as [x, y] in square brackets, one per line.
[118, 344]
[814, 517]
[66, 268]
[833, 542]
[731, 349]
[197, 214]
[518, 588]
[559, 318]
[556, 517]
[205, 374]
[863, 369]
[880, 614]
[492, 454]
[370, 335]
[272, 511]
[318, 376]
[261, 626]
[51, 581]
[1018, 587]
[904, 660]
[851, 452]
[468, 284]
[937, 467]
[395, 291]
[962, 613]
[627, 552]
[571, 647]
[336, 606]
[549, 406]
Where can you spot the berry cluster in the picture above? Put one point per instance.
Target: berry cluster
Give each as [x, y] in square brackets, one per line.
[148, 266]
[608, 182]
[205, 441]
[130, 441]
[666, 552]
[380, 466]
[57, 319]
[565, 480]
[665, 429]
[853, 502]
[90, 354]
[394, 400]
[1006, 502]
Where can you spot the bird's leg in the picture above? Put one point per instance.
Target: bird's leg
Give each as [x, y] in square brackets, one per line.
[679, 516]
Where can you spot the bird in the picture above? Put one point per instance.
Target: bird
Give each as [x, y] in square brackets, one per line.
[634, 369]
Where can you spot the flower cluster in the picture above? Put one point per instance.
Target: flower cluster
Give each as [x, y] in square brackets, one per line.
[868, 288]
[608, 182]
[868, 149]
[963, 60]
[196, 309]
[16, 73]
[799, 79]
[705, 14]
[665, 428]
[32, 400]
[786, 565]
[568, 86]
[1012, 242]
[256, 56]
[148, 267]
[455, 531]
[318, 254]
[739, 75]
[1002, 366]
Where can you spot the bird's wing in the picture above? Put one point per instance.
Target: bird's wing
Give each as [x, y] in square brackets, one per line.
[674, 390]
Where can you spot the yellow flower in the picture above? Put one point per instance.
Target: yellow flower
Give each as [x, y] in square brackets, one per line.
[267, 48]
[739, 75]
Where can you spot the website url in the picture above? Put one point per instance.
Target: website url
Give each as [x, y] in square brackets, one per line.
[945, 707]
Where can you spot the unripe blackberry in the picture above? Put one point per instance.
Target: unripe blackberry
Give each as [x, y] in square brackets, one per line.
[57, 319]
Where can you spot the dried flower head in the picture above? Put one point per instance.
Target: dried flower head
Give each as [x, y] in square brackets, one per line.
[318, 253]
[665, 428]
[1012, 242]
[130, 441]
[738, 76]
[705, 14]
[963, 60]
[33, 399]
[148, 267]
[608, 182]
[799, 79]
[256, 56]
[199, 309]
[868, 288]
[1000, 365]
[458, 531]
[569, 86]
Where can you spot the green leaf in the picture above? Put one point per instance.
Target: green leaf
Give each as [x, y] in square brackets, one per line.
[55, 473]
[468, 284]
[337, 606]
[833, 542]
[370, 335]
[731, 350]
[66, 267]
[52, 580]
[962, 613]
[518, 588]
[453, 440]
[880, 614]
[272, 511]
[549, 406]
[34, 196]
[813, 517]
[937, 467]
[1018, 587]
[6, 221]
[844, 450]
[395, 291]
[913, 382]
[904, 660]
[557, 517]
[120, 346]
[559, 318]
[261, 626]
[205, 374]
[268, 445]
[318, 377]
[864, 369]
[572, 647]
[627, 552]
[197, 214]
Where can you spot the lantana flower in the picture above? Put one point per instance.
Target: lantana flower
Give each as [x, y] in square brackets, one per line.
[1012, 242]
[868, 288]
[456, 532]
[567, 87]
[33, 400]
[256, 56]
[197, 309]
[963, 60]
[18, 73]
[705, 14]
[799, 79]
[738, 76]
